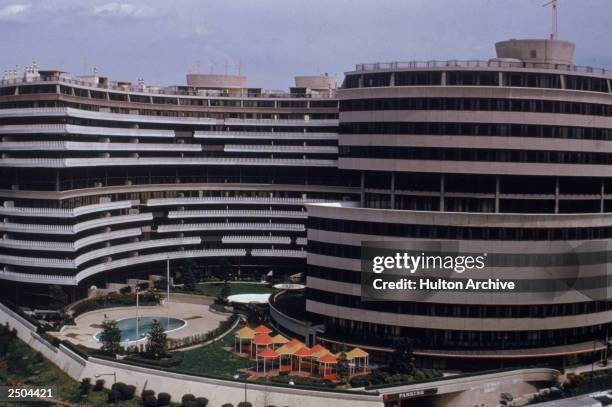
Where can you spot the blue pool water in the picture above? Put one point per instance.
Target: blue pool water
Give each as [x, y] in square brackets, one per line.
[128, 327]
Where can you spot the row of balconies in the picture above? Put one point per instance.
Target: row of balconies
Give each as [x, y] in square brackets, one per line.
[184, 227]
[107, 251]
[166, 147]
[128, 261]
[134, 246]
[256, 239]
[95, 146]
[278, 253]
[83, 130]
[233, 199]
[156, 161]
[61, 212]
[266, 135]
[148, 258]
[237, 213]
[76, 228]
[279, 149]
[285, 122]
[90, 114]
[40, 245]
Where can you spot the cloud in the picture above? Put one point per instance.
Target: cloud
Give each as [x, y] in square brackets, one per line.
[122, 10]
[14, 11]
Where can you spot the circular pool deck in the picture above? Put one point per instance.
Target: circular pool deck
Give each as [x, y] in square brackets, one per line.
[199, 320]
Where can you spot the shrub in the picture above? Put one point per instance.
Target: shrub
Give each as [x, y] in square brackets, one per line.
[227, 405]
[99, 385]
[146, 393]
[110, 338]
[163, 399]
[85, 385]
[150, 401]
[170, 361]
[245, 404]
[188, 400]
[201, 402]
[125, 392]
[113, 396]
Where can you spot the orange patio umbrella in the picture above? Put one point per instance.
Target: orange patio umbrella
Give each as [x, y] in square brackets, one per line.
[261, 340]
[328, 359]
[267, 354]
[262, 329]
[318, 351]
[303, 353]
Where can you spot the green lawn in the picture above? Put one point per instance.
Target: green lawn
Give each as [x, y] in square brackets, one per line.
[213, 360]
[213, 289]
[32, 369]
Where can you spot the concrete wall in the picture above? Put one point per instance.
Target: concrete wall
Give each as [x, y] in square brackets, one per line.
[216, 391]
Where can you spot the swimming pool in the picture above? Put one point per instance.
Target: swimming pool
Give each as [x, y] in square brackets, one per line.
[127, 327]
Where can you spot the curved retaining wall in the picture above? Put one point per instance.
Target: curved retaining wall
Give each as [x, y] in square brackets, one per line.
[217, 391]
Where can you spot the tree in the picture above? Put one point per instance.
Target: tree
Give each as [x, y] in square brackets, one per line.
[157, 346]
[224, 271]
[402, 358]
[189, 280]
[110, 337]
[57, 297]
[225, 290]
[342, 368]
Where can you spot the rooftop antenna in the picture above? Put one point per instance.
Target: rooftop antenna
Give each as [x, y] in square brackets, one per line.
[239, 67]
[198, 66]
[553, 32]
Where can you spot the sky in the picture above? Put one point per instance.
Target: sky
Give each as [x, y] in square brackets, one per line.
[274, 40]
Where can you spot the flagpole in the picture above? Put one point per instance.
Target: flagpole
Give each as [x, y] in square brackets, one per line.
[168, 291]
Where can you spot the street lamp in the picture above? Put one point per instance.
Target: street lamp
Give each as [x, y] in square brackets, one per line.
[114, 388]
[237, 377]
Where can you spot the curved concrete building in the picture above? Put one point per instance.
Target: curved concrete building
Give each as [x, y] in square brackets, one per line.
[102, 181]
[507, 156]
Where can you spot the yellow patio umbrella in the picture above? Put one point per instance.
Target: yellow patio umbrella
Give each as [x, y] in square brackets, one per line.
[319, 351]
[242, 334]
[279, 340]
[358, 354]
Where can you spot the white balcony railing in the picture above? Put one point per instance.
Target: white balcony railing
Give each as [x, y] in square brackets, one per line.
[233, 200]
[93, 146]
[62, 212]
[280, 149]
[115, 264]
[236, 213]
[37, 262]
[184, 227]
[146, 244]
[265, 135]
[76, 228]
[83, 130]
[256, 239]
[278, 253]
[156, 161]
